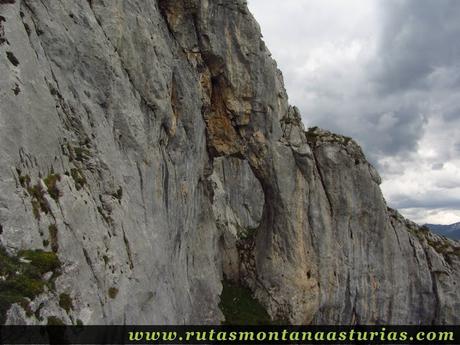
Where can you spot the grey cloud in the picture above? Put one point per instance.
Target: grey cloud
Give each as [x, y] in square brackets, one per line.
[452, 114]
[398, 137]
[448, 184]
[418, 36]
[431, 201]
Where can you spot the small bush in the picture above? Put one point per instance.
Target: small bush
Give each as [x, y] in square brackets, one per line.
[65, 302]
[113, 292]
[55, 321]
[78, 177]
[38, 201]
[51, 184]
[53, 233]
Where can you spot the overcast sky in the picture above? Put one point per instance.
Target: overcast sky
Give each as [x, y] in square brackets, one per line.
[387, 73]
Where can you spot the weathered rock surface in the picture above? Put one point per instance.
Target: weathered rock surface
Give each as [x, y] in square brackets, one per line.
[150, 144]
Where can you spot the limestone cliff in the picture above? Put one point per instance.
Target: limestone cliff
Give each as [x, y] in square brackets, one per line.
[148, 149]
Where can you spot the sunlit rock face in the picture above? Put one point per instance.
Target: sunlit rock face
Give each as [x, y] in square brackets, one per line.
[150, 147]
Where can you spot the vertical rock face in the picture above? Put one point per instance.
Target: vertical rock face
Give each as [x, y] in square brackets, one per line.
[150, 148]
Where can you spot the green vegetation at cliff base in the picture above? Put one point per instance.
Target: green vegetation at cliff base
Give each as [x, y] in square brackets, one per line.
[240, 307]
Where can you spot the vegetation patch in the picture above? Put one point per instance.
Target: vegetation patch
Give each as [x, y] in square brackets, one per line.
[78, 177]
[53, 233]
[55, 321]
[65, 302]
[439, 244]
[443, 247]
[42, 261]
[77, 153]
[247, 233]
[22, 276]
[51, 184]
[24, 180]
[37, 193]
[38, 201]
[113, 292]
[82, 154]
[315, 134]
[240, 307]
[312, 134]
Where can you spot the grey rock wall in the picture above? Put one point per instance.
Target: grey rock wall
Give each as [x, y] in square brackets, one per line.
[150, 145]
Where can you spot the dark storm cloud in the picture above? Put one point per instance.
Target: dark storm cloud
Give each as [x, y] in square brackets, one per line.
[387, 73]
[418, 37]
[415, 75]
[399, 136]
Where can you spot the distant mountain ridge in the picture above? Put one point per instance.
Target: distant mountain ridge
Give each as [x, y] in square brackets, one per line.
[451, 231]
